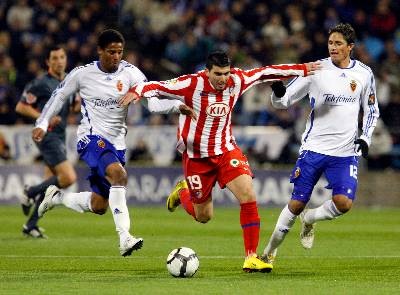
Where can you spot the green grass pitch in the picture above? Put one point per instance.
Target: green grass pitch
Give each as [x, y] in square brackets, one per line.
[358, 253]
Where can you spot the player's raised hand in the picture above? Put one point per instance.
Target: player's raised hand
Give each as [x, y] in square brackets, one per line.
[188, 111]
[128, 98]
[38, 134]
[312, 67]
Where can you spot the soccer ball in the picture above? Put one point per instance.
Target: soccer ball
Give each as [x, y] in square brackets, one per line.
[182, 262]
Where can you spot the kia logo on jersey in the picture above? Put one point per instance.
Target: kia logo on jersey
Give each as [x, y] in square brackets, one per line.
[217, 109]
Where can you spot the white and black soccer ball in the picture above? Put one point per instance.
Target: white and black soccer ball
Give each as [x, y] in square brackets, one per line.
[182, 262]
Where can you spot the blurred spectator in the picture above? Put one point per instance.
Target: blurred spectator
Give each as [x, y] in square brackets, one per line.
[5, 154]
[7, 101]
[379, 155]
[19, 16]
[173, 37]
[140, 152]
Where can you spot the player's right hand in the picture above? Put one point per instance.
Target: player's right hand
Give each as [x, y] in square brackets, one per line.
[54, 121]
[312, 67]
[38, 134]
[128, 98]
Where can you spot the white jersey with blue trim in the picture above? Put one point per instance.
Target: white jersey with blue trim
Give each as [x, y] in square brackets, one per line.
[100, 93]
[335, 95]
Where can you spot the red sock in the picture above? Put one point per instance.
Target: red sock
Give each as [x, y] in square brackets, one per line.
[184, 196]
[250, 222]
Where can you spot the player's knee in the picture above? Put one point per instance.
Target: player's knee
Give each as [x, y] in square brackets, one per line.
[67, 180]
[118, 176]
[99, 211]
[342, 203]
[247, 195]
[203, 217]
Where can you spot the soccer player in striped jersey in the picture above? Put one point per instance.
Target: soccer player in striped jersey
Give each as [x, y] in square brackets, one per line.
[330, 142]
[210, 153]
[101, 133]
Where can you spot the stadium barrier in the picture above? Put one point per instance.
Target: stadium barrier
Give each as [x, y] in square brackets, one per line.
[160, 141]
[151, 185]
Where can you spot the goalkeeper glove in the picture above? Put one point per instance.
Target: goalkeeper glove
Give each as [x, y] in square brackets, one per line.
[362, 146]
[278, 88]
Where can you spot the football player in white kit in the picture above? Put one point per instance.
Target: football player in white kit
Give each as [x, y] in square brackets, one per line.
[330, 142]
[101, 133]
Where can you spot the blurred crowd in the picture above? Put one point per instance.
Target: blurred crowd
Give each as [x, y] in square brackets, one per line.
[166, 38]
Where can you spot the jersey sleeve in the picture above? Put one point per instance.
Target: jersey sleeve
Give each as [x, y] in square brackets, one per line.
[255, 76]
[162, 106]
[298, 88]
[63, 91]
[175, 88]
[370, 107]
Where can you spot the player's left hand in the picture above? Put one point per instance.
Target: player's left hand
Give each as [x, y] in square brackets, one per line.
[38, 134]
[312, 67]
[361, 146]
[188, 111]
[128, 98]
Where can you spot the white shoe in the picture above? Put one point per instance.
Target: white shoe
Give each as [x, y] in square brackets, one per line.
[307, 232]
[129, 245]
[47, 203]
[269, 258]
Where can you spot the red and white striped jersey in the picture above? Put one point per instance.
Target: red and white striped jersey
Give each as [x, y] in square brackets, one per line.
[211, 134]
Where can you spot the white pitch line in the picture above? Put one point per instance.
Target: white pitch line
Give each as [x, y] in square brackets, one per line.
[200, 256]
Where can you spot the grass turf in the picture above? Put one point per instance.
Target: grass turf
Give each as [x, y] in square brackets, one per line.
[356, 254]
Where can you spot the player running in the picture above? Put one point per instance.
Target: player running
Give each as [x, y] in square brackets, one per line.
[210, 153]
[330, 143]
[101, 134]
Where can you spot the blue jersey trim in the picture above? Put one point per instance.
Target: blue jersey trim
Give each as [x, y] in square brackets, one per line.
[86, 114]
[312, 103]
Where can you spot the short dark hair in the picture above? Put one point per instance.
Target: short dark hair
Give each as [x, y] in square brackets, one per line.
[109, 36]
[218, 58]
[346, 30]
[52, 48]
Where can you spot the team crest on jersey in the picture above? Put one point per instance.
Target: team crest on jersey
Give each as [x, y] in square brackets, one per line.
[297, 172]
[119, 85]
[217, 109]
[234, 162]
[353, 85]
[371, 99]
[101, 143]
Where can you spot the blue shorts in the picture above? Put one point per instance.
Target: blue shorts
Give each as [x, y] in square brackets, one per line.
[98, 153]
[341, 173]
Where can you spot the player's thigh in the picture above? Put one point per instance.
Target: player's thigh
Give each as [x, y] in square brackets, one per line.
[53, 150]
[342, 173]
[201, 176]
[305, 174]
[242, 188]
[232, 165]
[66, 173]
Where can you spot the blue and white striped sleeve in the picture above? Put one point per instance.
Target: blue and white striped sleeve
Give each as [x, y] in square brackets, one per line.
[64, 90]
[371, 109]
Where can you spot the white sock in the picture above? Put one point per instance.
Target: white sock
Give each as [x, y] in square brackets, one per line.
[79, 202]
[326, 211]
[283, 225]
[119, 210]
